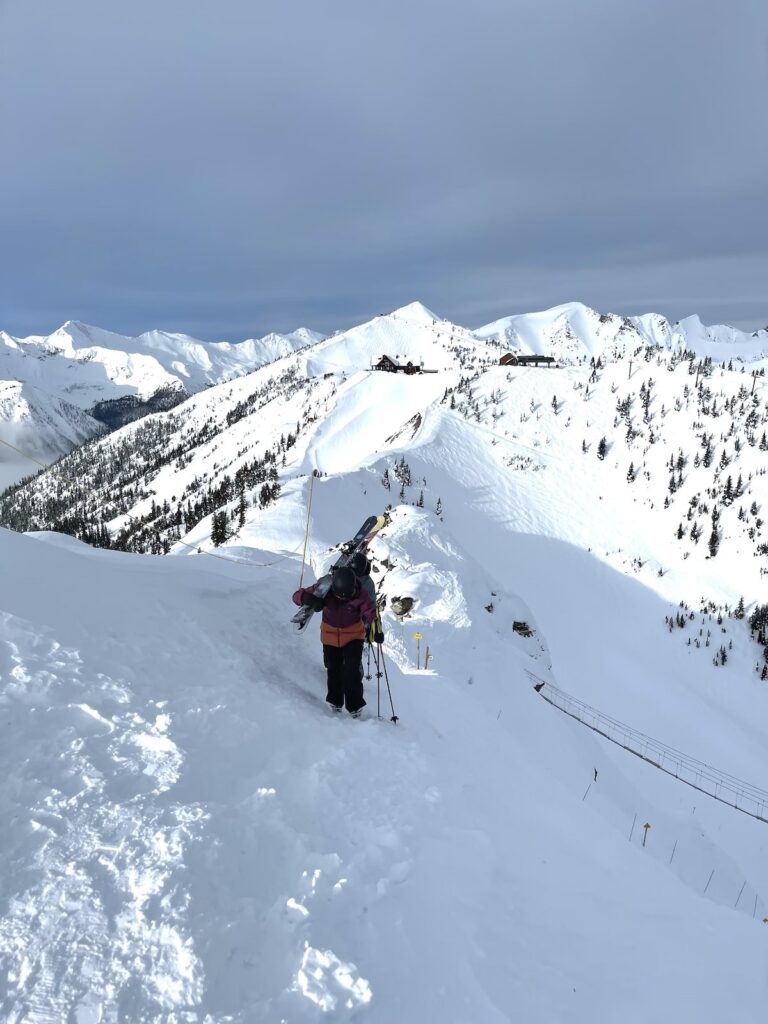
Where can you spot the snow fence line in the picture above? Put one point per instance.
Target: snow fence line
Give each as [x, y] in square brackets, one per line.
[743, 796]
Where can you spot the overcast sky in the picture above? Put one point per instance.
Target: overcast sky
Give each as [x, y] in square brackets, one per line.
[232, 167]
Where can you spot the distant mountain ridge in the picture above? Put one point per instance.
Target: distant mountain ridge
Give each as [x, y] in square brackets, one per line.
[618, 396]
[118, 365]
[573, 330]
[57, 391]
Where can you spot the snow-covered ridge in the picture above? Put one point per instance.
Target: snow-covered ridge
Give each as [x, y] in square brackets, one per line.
[572, 331]
[90, 364]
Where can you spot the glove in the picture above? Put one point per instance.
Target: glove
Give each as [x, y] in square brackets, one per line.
[378, 637]
[312, 601]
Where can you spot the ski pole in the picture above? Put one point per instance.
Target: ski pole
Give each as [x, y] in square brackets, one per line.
[368, 665]
[378, 683]
[394, 717]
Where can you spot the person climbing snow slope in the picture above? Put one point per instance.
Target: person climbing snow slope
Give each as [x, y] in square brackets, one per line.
[348, 611]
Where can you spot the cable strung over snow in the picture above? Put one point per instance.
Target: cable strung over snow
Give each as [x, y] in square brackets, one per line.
[719, 785]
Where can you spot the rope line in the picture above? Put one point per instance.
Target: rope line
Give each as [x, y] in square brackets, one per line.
[728, 789]
[306, 530]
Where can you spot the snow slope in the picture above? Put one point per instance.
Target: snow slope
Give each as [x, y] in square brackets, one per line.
[193, 838]
[39, 425]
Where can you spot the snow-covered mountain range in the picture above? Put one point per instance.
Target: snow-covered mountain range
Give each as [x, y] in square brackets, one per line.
[191, 838]
[56, 391]
[573, 330]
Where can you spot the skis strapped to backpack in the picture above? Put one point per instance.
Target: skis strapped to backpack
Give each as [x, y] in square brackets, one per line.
[359, 542]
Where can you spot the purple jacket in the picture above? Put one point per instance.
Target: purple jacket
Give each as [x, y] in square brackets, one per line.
[341, 614]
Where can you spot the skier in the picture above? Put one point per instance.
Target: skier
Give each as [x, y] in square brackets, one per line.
[348, 611]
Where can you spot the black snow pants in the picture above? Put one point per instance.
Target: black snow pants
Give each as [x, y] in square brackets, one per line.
[345, 675]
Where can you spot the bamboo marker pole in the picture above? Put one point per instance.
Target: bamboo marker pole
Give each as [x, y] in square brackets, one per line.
[306, 530]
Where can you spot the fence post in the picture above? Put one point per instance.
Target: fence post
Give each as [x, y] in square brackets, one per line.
[741, 890]
[673, 851]
[709, 879]
[633, 828]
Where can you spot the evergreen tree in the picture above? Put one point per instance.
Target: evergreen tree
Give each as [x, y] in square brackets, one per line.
[714, 540]
[739, 612]
[602, 448]
[439, 508]
[219, 528]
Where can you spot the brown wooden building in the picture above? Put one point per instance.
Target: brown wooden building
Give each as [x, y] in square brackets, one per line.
[511, 359]
[389, 365]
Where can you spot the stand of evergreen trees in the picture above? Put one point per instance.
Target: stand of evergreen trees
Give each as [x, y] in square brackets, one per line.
[105, 479]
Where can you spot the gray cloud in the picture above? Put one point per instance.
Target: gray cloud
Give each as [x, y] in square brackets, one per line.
[233, 168]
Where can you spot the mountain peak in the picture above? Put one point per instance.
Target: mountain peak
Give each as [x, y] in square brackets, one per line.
[414, 311]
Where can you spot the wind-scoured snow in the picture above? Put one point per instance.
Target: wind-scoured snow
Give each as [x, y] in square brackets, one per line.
[192, 836]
